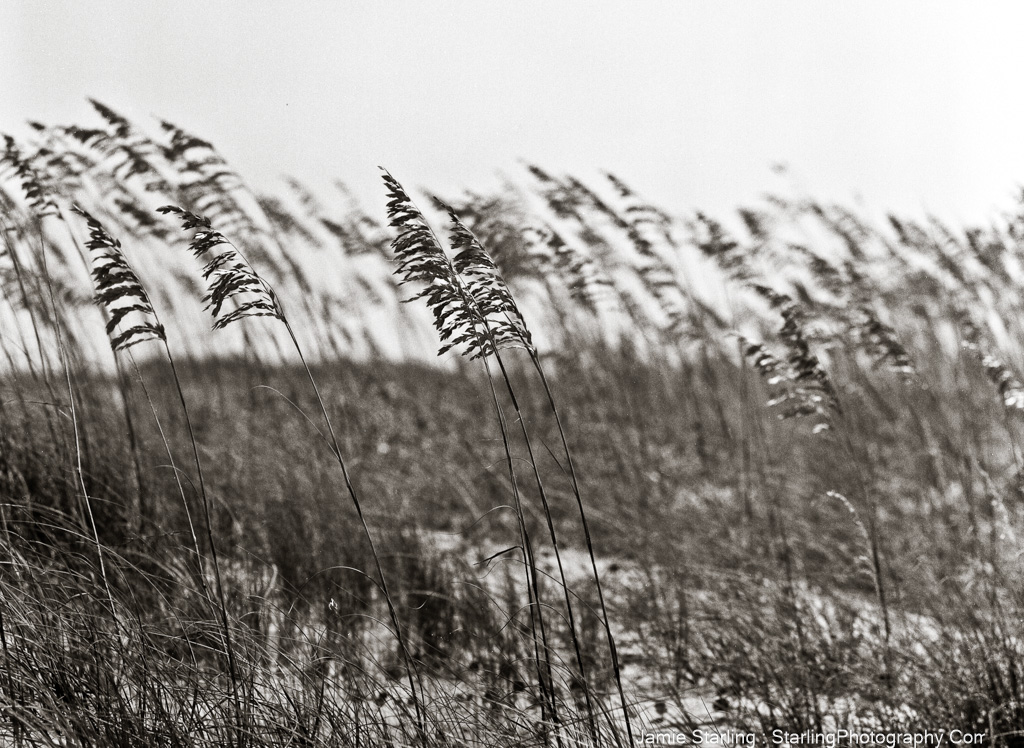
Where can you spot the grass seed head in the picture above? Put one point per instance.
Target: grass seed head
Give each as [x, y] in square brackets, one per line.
[119, 290]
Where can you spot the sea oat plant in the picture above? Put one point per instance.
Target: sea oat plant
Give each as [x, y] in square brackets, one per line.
[235, 292]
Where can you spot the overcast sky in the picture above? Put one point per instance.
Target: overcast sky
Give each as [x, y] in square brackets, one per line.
[909, 106]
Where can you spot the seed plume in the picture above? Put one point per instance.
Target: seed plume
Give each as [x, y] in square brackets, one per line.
[229, 277]
[118, 290]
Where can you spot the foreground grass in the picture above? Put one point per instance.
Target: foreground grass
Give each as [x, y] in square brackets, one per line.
[741, 593]
[846, 557]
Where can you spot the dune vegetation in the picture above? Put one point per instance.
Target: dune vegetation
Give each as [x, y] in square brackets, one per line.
[669, 471]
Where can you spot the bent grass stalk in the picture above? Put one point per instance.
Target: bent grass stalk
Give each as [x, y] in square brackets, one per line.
[542, 492]
[87, 500]
[468, 292]
[232, 277]
[482, 275]
[420, 259]
[122, 385]
[33, 311]
[177, 476]
[616, 669]
[121, 293]
[529, 560]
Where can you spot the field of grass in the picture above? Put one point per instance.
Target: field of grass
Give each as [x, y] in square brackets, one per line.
[674, 473]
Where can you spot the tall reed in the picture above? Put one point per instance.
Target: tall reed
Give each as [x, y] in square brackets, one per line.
[495, 301]
[133, 320]
[236, 292]
[473, 308]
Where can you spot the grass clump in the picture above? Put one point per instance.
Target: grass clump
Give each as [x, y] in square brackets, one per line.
[672, 472]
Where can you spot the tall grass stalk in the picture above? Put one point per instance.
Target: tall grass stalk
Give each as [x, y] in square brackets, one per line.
[87, 500]
[143, 509]
[482, 275]
[537, 628]
[411, 670]
[613, 651]
[33, 311]
[465, 316]
[233, 279]
[116, 283]
[218, 581]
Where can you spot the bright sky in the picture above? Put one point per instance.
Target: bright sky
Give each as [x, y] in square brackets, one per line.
[911, 106]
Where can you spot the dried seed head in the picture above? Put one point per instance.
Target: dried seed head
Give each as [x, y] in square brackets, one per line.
[132, 319]
[229, 277]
